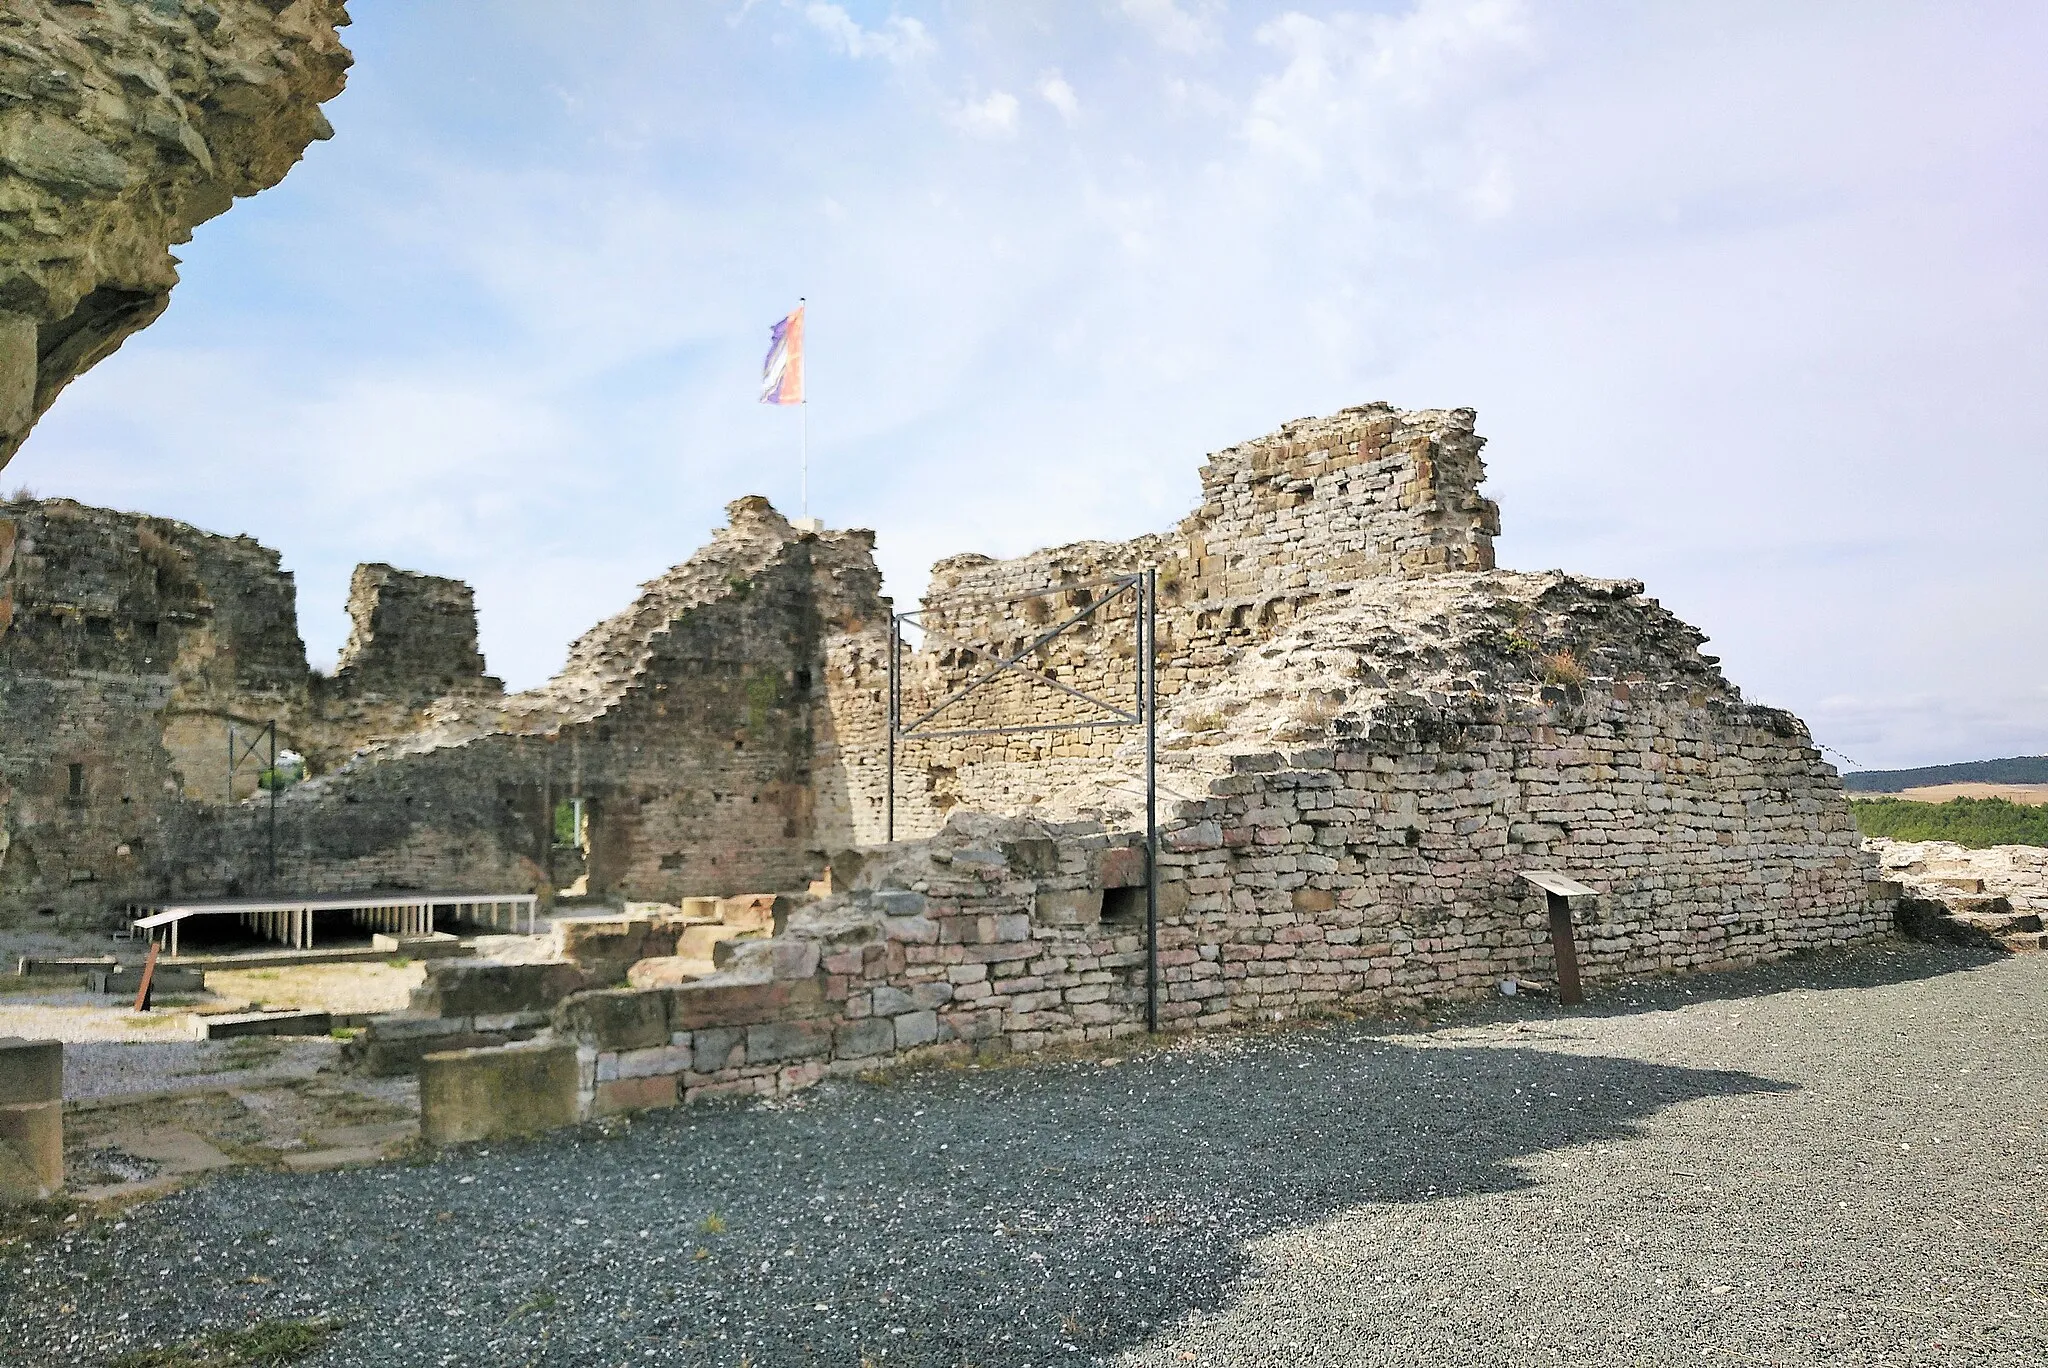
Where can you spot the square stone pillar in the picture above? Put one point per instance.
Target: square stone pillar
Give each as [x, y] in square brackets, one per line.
[31, 1119]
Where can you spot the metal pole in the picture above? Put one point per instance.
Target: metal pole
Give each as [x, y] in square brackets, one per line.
[231, 765]
[273, 805]
[1150, 672]
[895, 655]
[1568, 992]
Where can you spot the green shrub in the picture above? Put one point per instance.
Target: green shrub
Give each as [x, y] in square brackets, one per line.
[1972, 822]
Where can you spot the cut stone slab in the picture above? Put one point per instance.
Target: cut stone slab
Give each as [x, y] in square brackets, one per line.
[179, 1152]
[373, 1136]
[229, 1025]
[469, 1095]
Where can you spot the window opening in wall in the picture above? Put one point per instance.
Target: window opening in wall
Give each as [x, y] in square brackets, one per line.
[76, 791]
[572, 825]
[1124, 904]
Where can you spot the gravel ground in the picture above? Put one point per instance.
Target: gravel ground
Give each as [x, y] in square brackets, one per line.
[105, 1070]
[1826, 1162]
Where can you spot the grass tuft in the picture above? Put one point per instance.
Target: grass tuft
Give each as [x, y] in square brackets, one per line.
[258, 1345]
[1561, 668]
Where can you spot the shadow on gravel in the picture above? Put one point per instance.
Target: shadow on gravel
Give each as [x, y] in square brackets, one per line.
[1874, 966]
[991, 1217]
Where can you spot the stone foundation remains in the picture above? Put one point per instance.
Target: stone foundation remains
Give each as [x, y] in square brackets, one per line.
[1996, 897]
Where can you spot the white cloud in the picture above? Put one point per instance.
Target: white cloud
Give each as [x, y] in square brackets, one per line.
[899, 40]
[1679, 260]
[1171, 26]
[1056, 92]
[994, 117]
[1378, 100]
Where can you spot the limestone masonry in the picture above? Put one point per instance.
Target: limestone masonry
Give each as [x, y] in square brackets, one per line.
[1369, 733]
[123, 126]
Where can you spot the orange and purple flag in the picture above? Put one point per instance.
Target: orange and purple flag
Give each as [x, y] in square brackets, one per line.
[782, 373]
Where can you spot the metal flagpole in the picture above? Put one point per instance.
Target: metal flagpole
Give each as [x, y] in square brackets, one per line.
[1149, 672]
[803, 379]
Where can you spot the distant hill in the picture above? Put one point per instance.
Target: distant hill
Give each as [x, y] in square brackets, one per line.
[2020, 769]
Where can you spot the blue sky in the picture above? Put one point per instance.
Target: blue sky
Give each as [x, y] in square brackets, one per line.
[1752, 300]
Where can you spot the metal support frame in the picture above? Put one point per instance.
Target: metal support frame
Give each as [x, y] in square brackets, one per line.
[1143, 591]
[239, 754]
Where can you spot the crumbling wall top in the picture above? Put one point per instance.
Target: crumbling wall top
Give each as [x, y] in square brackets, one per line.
[411, 635]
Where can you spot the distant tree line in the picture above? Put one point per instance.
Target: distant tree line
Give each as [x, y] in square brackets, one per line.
[1973, 822]
[2018, 769]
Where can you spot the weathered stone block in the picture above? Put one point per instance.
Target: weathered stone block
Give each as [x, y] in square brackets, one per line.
[862, 1039]
[31, 1150]
[1067, 907]
[636, 1094]
[783, 1040]
[714, 1049]
[228, 1025]
[661, 1059]
[897, 902]
[1123, 867]
[615, 1019]
[724, 1003]
[916, 1028]
[470, 1095]
[31, 1070]
[458, 988]
[794, 959]
[912, 930]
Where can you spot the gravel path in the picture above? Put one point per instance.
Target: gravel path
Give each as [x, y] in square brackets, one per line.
[1828, 1162]
[107, 1070]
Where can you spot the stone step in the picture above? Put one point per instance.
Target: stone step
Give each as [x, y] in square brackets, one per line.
[228, 1025]
[1978, 904]
[1999, 924]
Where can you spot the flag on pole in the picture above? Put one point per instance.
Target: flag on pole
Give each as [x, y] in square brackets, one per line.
[782, 373]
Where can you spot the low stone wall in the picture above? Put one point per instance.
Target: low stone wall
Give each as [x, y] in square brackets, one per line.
[463, 1005]
[1379, 873]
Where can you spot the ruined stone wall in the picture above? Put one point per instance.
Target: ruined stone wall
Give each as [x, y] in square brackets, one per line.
[693, 728]
[135, 643]
[1377, 873]
[412, 643]
[132, 640]
[409, 633]
[1288, 522]
[122, 126]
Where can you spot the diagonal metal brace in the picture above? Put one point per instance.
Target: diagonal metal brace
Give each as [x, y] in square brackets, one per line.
[995, 670]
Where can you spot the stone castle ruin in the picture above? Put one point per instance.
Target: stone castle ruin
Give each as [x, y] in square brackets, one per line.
[1368, 734]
